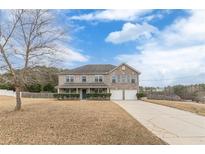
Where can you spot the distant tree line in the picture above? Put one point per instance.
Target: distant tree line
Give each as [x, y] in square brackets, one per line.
[43, 79]
[185, 92]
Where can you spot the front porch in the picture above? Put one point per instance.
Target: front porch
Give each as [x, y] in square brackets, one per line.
[83, 91]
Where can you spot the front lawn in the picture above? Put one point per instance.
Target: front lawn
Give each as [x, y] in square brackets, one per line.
[46, 121]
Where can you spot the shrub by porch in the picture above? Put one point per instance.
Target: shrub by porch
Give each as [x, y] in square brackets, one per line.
[89, 96]
[67, 96]
[98, 96]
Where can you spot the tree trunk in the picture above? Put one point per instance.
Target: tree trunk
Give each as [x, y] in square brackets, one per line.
[18, 99]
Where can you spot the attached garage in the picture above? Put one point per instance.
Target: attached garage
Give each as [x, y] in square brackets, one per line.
[123, 94]
[130, 94]
[116, 94]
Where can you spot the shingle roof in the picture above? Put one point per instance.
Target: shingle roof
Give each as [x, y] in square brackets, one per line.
[91, 69]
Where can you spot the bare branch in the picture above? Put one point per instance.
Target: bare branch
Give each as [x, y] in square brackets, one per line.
[32, 37]
[12, 29]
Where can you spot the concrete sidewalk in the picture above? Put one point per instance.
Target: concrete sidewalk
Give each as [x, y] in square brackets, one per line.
[171, 125]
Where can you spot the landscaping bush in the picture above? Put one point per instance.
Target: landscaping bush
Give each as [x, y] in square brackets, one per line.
[66, 96]
[34, 88]
[98, 96]
[49, 88]
[7, 86]
[140, 95]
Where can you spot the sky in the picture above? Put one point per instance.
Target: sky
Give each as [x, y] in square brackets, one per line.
[166, 46]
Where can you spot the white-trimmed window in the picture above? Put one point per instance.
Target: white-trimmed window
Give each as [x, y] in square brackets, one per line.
[113, 79]
[118, 78]
[123, 78]
[98, 78]
[83, 78]
[128, 78]
[69, 78]
[133, 80]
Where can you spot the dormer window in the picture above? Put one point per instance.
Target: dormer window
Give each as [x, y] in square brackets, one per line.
[83, 78]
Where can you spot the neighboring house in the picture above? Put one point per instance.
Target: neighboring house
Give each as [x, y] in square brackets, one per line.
[121, 81]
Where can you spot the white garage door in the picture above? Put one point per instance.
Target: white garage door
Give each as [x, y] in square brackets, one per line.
[130, 94]
[116, 94]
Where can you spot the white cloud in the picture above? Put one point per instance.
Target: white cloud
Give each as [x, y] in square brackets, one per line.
[176, 52]
[131, 32]
[124, 15]
[64, 56]
[70, 55]
[153, 16]
[160, 64]
[185, 31]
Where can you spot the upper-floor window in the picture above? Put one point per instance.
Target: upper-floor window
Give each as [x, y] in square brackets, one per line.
[70, 78]
[133, 80]
[123, 78]
[83, 78]
[113, 79]
[128, 78]
[98, 78]
[118, 78]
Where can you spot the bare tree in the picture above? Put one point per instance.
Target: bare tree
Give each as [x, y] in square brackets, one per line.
[28, 38]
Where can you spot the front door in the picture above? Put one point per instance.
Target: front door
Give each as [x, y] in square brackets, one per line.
[83, 93]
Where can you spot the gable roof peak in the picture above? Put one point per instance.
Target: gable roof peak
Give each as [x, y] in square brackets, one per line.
[127, 66]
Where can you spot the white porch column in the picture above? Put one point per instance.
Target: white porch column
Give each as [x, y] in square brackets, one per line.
[58, 90]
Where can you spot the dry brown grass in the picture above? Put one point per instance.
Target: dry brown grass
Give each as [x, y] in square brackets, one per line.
[44, 121]
[186, 106]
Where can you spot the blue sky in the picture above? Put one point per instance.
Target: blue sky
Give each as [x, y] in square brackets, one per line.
[166, 46]
[89, 35]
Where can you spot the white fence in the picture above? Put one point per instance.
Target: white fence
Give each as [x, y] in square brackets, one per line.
[4, 92]
[36, 95]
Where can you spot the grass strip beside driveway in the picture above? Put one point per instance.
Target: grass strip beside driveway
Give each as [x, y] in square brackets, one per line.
[186, 106]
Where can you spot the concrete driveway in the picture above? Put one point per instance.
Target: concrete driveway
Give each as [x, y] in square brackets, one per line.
[171, 125]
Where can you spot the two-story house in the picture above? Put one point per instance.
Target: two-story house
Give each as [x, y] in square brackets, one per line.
[121, 81]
